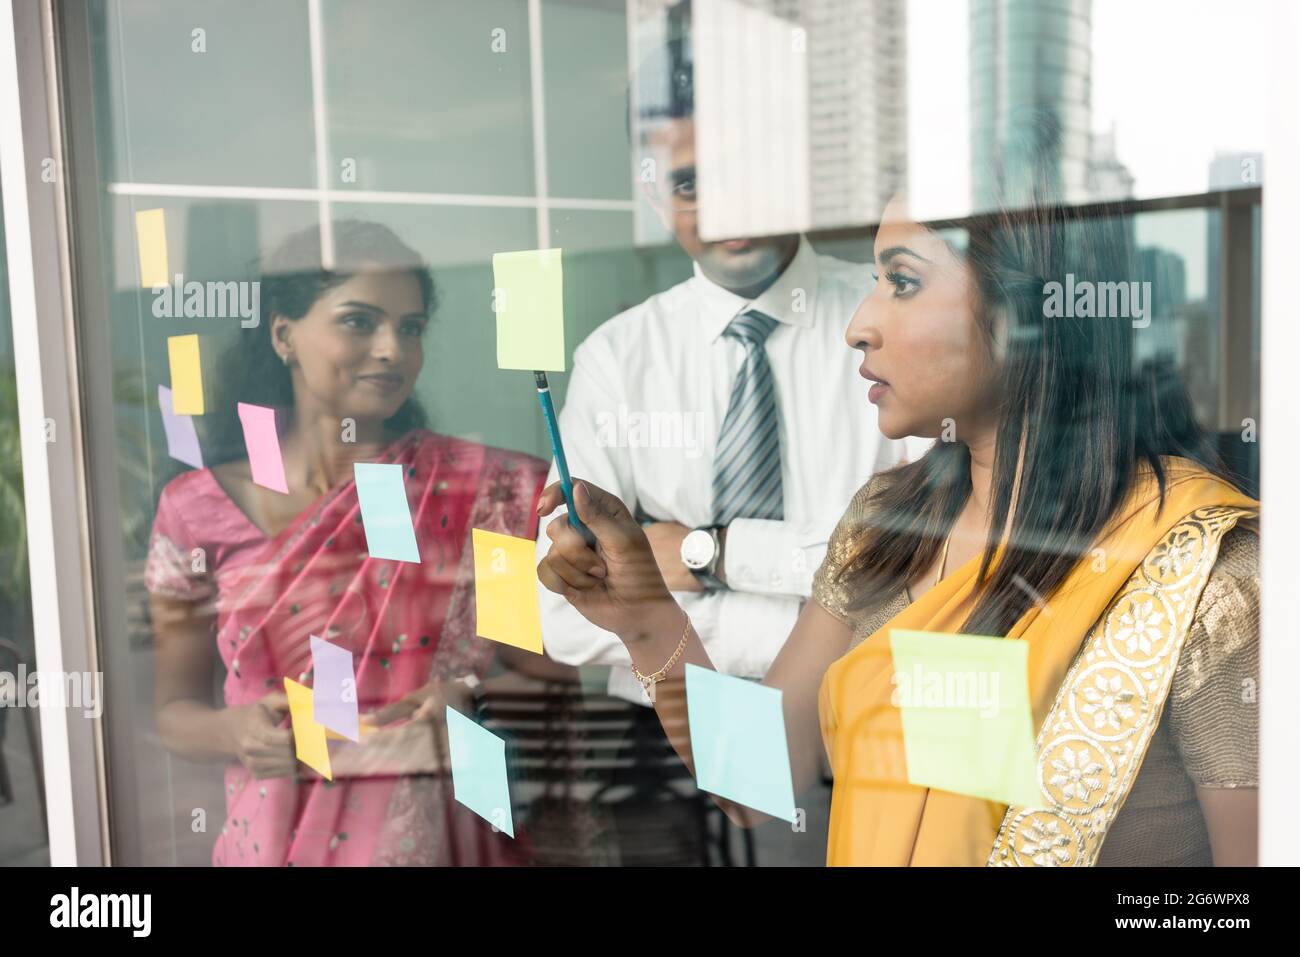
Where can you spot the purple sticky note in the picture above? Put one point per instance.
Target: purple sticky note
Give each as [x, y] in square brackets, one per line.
[334, 689]
[182, 439]
[263, 446]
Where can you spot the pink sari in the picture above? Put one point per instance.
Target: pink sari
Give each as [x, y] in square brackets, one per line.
[405, 624]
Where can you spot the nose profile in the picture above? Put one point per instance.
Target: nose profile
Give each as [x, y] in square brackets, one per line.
[862, 332]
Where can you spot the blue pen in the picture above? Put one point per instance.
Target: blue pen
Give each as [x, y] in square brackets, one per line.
[566, 483]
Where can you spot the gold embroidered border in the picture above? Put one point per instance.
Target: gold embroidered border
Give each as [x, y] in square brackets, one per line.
[1092, 744]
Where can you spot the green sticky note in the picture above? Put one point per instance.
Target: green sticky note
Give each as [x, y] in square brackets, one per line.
[967, 721]
[528, 297]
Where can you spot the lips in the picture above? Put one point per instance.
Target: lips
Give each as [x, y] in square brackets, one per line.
[877, 391]
[871, 376]
[385, 381]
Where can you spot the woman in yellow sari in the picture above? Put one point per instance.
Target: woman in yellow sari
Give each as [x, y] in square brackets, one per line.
[1070, 502]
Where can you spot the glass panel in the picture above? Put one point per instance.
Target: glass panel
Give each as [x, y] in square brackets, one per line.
[420, 99]
[341, 305]
[22, 799]
[243, 89]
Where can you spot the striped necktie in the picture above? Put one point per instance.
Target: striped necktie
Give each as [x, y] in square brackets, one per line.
[747, 467]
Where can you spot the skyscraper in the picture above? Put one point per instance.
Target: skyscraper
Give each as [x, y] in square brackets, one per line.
[857, 94]
[800, 109]
[1031, 70]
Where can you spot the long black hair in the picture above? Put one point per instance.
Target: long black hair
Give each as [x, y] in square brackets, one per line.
[293, 277]
[1074, 401]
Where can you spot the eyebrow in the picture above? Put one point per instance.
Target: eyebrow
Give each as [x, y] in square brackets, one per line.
[893, 251]
[369, 307]
[682, 175]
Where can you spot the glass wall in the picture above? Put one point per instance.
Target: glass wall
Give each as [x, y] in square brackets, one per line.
[22, 800]
[297, 160]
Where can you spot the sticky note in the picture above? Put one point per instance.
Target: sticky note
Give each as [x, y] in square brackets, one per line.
[182, 439]
[528, 296]
[505, 590]
[738, 741]
[308, 735]
[967, 722]
[385, 511]
[478, 771]
[151, 241]
[334, 689]
[187, 377]
[263, 444]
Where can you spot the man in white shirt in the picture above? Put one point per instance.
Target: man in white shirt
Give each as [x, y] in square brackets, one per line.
[659, 391]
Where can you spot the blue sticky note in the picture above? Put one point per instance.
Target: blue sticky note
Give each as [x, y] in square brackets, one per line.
[738, 740]
[385, 512]
[478, 771]
[334, 689]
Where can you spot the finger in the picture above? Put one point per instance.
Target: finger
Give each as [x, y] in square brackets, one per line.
[568, 542]
[275, 701]
[552, 497]
[606, 516]
[569, 574]
[275, 738]
[273, 769]
[428, 711]
[553, 582]
[399, 709]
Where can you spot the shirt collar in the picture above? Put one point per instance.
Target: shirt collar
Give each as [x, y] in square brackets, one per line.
[790, 300]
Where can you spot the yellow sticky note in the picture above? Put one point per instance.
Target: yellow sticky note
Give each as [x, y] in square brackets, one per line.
[151, 239]
[187, 377]
[308, 735]
[528, 296]
[505, 590]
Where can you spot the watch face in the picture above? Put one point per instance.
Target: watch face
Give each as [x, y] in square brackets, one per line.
[697, 549]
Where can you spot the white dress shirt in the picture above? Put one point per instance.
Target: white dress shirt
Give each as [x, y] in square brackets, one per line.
[646, 400]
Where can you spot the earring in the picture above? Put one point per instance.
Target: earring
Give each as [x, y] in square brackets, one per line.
[284, 357]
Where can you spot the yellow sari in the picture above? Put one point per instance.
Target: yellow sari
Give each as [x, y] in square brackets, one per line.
[1120, 617]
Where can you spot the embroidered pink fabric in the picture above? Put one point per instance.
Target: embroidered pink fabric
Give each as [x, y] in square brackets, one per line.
[405, 624]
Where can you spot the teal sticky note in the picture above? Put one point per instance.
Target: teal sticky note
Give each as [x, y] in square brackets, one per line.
[738, 741]
[385, 512]
[967, 722]
[478, 771]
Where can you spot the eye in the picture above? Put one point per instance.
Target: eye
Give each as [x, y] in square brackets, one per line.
[903, 285]
[685, 189]
[414, 327]
[358, 321]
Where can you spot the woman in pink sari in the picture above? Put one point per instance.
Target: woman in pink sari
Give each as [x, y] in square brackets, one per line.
[259, 572]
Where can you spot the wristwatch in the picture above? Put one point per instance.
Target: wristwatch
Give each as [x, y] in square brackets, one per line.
[701, 549]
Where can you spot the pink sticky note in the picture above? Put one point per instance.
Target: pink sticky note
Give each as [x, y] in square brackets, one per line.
[263, 446]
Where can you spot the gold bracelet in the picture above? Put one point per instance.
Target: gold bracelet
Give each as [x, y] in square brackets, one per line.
[648, 682]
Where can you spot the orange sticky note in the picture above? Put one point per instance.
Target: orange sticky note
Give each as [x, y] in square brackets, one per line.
[505, 590]
[308, 735]
[151, 241]
[187, 376]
